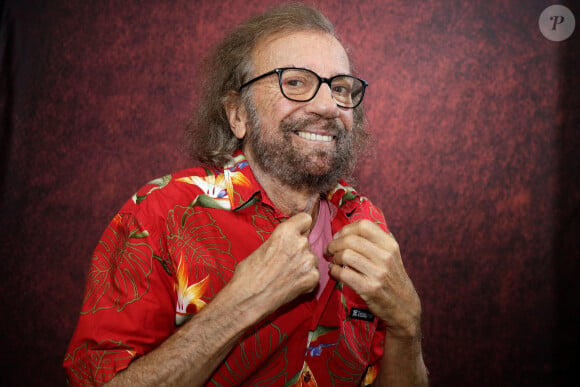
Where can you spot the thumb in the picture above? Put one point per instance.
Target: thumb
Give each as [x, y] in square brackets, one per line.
[300, 222]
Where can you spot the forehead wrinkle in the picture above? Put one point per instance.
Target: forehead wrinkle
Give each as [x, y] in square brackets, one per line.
[266, 55]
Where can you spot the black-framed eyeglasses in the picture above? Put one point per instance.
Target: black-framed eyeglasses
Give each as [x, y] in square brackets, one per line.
[301, 85]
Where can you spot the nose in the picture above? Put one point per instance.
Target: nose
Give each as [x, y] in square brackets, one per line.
[323, 103]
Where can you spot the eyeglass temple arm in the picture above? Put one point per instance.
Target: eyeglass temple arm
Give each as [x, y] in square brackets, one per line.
[275, 71]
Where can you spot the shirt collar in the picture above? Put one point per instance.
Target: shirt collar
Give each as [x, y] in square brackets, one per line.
[244, 190]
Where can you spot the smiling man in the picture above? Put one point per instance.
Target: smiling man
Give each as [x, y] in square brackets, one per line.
[264, 267]
[306, 146]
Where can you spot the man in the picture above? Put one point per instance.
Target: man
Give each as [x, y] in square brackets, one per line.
[263, 268]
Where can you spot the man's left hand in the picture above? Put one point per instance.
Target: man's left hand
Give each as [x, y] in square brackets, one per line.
[367, 260]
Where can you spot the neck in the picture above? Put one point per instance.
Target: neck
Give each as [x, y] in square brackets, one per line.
[289, 200]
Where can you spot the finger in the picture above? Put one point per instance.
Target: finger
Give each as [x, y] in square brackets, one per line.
[365, 229]
[350, 278]
[352, 242]
[300, 222]
[364, 237]
[355, 261]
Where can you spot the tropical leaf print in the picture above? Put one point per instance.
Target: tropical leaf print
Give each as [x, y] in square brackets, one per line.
[120, 267]
[158, 183]
[264, 222]
[348, 193]
[255, 357]
[94, 365]
[371, 213]
[165, 262]
[194, 234]
[351, 356]
[206, 201]
[316, 348]
[320, 330]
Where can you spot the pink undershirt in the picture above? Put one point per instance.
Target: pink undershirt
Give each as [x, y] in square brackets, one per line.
[319, 238]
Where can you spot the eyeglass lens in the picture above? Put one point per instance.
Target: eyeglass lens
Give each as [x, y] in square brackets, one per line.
[302, 85]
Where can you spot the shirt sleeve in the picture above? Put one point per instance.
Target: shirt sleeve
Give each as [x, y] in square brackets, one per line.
[129, 301]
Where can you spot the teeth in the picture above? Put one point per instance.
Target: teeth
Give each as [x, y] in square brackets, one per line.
[314, 137]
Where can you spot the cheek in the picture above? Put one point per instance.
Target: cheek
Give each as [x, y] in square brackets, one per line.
[272, 109]
[347, 119]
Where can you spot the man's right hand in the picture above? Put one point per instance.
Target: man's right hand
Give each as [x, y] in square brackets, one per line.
[280, 270]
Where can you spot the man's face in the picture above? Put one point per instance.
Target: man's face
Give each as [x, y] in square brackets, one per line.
[306, 145]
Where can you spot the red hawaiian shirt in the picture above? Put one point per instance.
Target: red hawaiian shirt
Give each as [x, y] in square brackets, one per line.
[175, 245]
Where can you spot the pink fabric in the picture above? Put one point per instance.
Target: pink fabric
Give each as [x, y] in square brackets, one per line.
[319, 238]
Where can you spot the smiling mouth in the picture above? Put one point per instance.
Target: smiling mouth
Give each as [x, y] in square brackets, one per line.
[314, 136]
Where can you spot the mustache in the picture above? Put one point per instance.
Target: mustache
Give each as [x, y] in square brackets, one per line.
[333, 126]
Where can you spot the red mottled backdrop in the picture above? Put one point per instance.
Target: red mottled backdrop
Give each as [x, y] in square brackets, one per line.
[476, 124]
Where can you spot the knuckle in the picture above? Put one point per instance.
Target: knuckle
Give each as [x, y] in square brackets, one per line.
[382, 276]
[341, 257]
[311, 280]
[281, 227]
[308, 260]
[350, 240]
[312, 261]
[315, 276]
[276, 237]
[374, 287]
[346, 256]
[366, 224]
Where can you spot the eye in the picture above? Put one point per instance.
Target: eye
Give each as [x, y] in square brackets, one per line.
[340, 89]
[346, 86]
[341, 86]
[296, 81]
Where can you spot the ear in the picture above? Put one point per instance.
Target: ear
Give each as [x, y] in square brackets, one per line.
[237, 114]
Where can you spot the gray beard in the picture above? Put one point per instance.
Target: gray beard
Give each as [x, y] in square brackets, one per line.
[281, 159]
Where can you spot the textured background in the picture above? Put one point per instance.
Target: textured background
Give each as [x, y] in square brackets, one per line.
[476, 119]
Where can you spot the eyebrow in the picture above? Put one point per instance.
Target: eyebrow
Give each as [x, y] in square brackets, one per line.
[308, 68]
